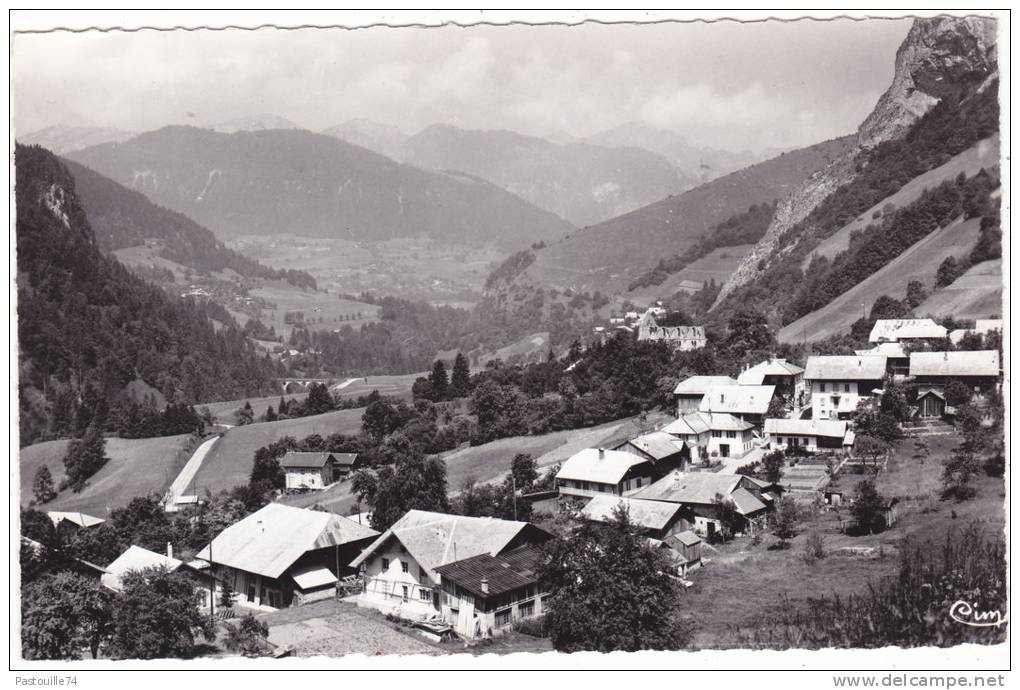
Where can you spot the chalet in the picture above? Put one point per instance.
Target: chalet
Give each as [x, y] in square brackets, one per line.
[485, 595]
[813, 435]
[713, 435]
[908, 331]
[701, 492]
[663, 450]
[687, 547]
[282, 555]
[931, 402]
[656, 519]
[838, 383]
[316, 470]
[976, 368]
[897, 357]
[136, 558]
[400, 567]
[597, 470]
[748, 403]
[69, 523]
[689, 392]
[683, 338]
[787, 378]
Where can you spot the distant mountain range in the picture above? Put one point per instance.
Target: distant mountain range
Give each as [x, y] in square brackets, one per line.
[272, 181]
[254, 123]
[580, 182]
[60, 139]
[701, 164]
[374, 136]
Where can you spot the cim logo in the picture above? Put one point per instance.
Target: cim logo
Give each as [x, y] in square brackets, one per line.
[968, 614]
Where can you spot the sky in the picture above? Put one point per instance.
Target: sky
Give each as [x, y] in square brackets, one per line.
[726, 84]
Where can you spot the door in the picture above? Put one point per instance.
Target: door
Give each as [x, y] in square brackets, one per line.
[404, 591]
[724, 450]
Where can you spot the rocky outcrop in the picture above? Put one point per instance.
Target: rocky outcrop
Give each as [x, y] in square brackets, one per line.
[940, 57]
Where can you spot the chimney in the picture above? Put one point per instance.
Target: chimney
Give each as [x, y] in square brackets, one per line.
[169, 550]
[485, 585]
[602, 454]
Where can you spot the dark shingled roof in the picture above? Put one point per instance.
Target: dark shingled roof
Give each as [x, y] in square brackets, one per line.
[505, 572]
[296, 459]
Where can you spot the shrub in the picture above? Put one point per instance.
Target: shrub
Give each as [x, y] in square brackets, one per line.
[536, 626]
[814, 547]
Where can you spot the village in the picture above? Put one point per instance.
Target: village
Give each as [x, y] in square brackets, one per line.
[765, 454]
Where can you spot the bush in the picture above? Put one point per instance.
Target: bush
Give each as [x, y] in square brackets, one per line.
[536, 626]
[814, 547]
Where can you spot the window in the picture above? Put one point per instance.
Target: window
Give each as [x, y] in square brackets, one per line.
[424, 595]
[716, 434]
[503, 618]
[637, 482]
[846, 387]
[526, 610]
[385, 564]
[821, 387]
[779, 440]
[731, 434]
[404, 592]
[404, 567]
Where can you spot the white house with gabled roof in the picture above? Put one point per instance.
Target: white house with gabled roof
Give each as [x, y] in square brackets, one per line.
[838, 383]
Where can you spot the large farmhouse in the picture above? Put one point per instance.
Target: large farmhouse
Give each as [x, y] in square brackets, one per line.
[713, 435]
[598, 470]
[908, 331]
[976, 368]
[747, 403]
[316, 470]
[281, 555]
[689, 393]
[401, 566]
[701, 493]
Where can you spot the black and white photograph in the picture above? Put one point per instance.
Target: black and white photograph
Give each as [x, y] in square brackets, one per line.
[496, 340]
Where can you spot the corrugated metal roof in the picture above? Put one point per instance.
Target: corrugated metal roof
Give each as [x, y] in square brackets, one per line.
[598, 465]
[845, 368]
[643, 513]
[956, 363]
[738, 399]
[503, 573]
[434, 539]
[898, 329]
[770, 367]
[270, 540]
[805, 427]
[135, 558]
[699, 385]
[80, 519]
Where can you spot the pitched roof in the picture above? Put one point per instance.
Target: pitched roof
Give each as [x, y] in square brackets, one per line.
[695, 423]
[956, 363]
[738, 399]
[690, 487]
[80, 519]
[897, 329]
[770, 367]
[806, 427]
[598, 465]
[135, 558]
[845, 368]
[271, 539]
[699, 385]
[658, 444]
[643, 512]
[893, 350]
[434, 539]
[295, 459]
[746, 502]
[687, 538]
[503, 573]
[345, 458]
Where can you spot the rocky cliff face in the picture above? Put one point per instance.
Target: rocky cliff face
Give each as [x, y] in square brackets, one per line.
[940, 57]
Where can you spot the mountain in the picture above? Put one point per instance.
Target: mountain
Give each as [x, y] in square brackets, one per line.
[122, 218]
[374, 136]
[254, 123]
[582, 183]
[700, 164]
[943, 100]
[60, 139]
[87, 328]
[276, 181]
[609, 255]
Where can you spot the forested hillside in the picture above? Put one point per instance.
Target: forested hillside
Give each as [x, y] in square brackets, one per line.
[121, 218]
[87, 327]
